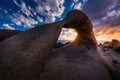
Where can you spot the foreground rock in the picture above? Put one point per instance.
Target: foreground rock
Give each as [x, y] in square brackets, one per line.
[4, 34]
[77, 60]
[110, 54]
[22, 56]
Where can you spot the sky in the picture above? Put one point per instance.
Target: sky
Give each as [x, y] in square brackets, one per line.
[26, 14]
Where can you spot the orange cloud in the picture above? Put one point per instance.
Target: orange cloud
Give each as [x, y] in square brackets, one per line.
[107, 33]
[101, 33]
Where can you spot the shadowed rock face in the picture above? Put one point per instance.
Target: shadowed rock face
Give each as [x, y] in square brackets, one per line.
[79, 21]
[112, 60]
[4, 34]
[22, 56]
[109, 53]
[77, 60]
[75, 18]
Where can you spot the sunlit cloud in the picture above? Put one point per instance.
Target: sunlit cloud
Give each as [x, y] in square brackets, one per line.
[68, 35]
[7, 26]
[107, 34]
[50, 9]
[102, 34]
[22, 20]
[76, 4]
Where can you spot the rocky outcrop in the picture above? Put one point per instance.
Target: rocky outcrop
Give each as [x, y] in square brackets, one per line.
[22, 56]
[77, 60]
[34, 54]
[113, 45]
[111, 56]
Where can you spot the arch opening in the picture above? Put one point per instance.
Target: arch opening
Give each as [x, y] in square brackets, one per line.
[67, 35]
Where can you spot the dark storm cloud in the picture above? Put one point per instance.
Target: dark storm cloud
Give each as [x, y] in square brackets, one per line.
[105, 15]
[105, 12]
[113, 19]
[98, 8]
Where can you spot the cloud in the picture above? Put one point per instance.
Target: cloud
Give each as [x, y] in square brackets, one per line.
[5, 11]
[50, 9]
[97, 9]
[112, 18]
[7, 26]
[26, 16]
[67, 35]
[40, 19]
[25, 9]
[20, 20]
[15, 1]
[105, 16]
[107, 33]
[103, 13]
[76, 4]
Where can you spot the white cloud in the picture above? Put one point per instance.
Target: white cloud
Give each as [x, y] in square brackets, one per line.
[19, 19]
[50, 9]
[77, 4]
[7, 26]
[40, 19]
[17, 22]
[15, 1]
[25, 9]
[113, 4]
[113, 13]
[67, 35]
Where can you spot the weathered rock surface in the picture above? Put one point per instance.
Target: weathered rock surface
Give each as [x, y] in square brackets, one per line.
[110, 54]
[77, 60]
[22, 56]
[34, 54]
[4, 34]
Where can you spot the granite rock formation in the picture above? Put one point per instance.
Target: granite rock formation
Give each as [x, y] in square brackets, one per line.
[22, 56]
[78, 60]
[4, 34]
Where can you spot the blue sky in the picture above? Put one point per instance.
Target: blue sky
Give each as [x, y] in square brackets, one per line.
[26, 14]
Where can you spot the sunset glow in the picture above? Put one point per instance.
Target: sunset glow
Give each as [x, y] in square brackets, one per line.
[68, 35]
[101, 34]
[107, 34]
[102, 37]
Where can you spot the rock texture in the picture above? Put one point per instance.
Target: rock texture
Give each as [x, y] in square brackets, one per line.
[110, 54]
[4, 34]
[34, 54]
[22, 56]
[78, 60]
